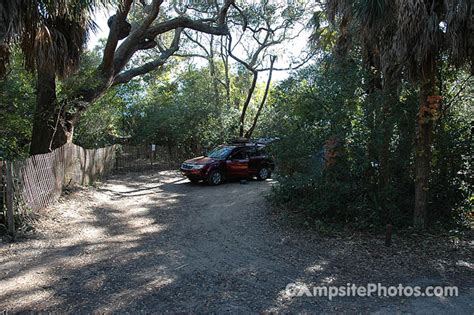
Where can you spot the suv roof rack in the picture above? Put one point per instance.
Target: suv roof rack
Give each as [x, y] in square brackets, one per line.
[253, 142]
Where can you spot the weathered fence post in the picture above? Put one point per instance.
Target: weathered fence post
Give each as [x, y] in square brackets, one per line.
[116, 160]
[152, 154]
[10, 199]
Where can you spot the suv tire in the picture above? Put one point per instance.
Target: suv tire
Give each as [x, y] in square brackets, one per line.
[215, 178]
[264, 173]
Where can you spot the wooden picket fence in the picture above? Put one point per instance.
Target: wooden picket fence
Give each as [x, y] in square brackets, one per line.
[37, 182]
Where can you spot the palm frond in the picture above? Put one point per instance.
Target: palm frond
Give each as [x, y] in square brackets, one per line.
[417, 32]
[460, 31]
[58, 45]
[10, 24]
[51, 32]
[339, 8]
[371, 12]
[406, 33]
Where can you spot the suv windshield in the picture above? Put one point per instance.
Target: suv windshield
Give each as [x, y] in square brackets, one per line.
[220, 153]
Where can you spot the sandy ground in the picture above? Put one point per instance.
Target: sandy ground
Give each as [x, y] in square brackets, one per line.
[153, 242]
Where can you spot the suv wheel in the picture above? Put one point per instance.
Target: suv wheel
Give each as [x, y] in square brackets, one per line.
[215, 178]
[263, 173]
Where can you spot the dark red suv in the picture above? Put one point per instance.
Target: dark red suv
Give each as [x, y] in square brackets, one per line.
[237, 160]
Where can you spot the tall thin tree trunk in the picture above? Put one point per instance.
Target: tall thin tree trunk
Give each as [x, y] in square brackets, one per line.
[374, 86]
[247, 102]
[391, 94]
[428, 107]
[213, 73]
[225, 60]
[385, 147]
[249, 132]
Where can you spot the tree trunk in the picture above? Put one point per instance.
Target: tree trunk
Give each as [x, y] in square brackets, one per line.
[215, 88]
[247, 102]
[385, 147]
[50, 129]
[225, 60]
[428, 108]
[249, 132]
[391, 95]
[53, 122]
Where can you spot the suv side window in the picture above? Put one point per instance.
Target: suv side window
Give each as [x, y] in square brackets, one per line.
[240, 154]
[252, 152]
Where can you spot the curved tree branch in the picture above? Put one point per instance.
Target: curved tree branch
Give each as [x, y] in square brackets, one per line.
[128, 75]
[113, 38]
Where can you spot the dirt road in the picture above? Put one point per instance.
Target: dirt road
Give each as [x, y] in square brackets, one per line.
[157, 243]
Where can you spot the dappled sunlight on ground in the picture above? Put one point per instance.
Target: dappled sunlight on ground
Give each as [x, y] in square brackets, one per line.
[155, 242]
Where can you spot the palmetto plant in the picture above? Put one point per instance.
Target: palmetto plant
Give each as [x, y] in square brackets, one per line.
[51, 33]
[409, 31]
[411, 37]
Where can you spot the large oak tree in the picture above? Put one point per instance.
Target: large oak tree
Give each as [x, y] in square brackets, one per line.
[56, 37]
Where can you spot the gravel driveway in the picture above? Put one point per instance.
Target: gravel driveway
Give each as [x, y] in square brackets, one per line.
[156, 243]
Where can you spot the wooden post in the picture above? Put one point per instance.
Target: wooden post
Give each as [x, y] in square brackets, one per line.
[152, 153]
[116, 161]
[10, 199]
